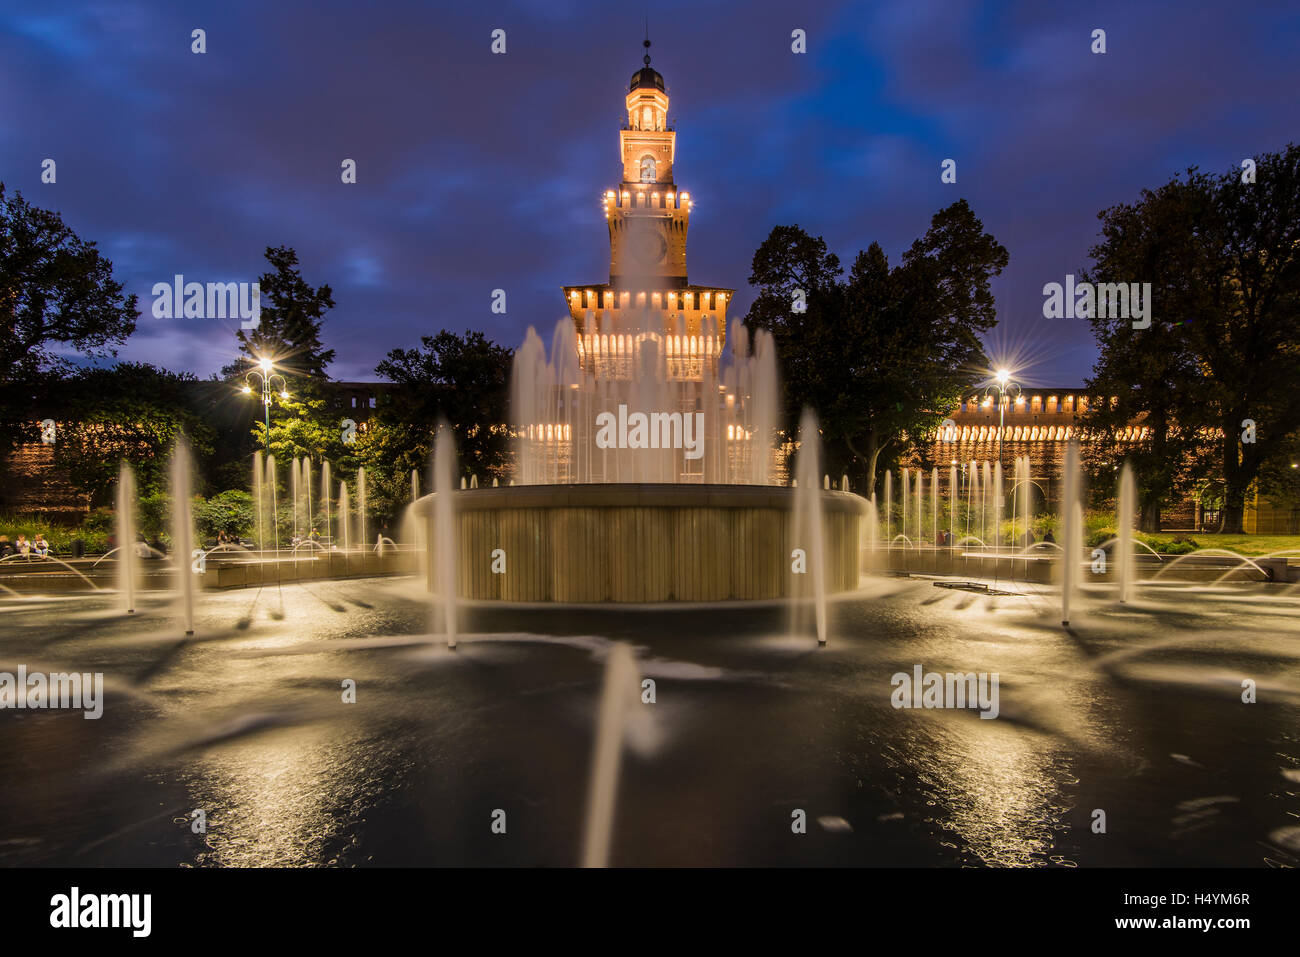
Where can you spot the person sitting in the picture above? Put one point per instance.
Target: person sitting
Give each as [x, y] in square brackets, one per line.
[41, 546]
[6, 546]
[23, 547]
[1049, 537]
[314, 536]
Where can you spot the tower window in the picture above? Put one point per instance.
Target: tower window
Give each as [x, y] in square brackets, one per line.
[647, 169]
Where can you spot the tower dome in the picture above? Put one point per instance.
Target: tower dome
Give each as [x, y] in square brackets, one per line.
[646, 78]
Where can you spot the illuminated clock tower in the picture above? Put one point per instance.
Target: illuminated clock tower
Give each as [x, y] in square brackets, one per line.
[648, 295]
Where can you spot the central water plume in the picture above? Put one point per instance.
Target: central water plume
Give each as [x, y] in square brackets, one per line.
[706, 420]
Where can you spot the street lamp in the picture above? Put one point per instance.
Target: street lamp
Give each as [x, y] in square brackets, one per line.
[266, 379]
[1002, 387]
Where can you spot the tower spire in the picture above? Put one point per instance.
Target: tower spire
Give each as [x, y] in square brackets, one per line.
[646, 58]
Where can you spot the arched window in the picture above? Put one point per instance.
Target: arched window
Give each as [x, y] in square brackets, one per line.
[647, 169]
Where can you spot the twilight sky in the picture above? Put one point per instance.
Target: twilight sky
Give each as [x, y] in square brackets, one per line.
[479, 171]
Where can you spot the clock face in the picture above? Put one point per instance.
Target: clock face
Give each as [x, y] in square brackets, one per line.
[647, 247]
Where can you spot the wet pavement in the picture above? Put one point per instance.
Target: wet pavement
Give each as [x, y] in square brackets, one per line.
[1136, 712]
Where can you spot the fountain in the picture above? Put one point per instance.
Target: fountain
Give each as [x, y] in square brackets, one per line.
[1124, 560]
[183, 531]
[999, 502]
[325, 500]
[259, 498]
[1071, 529]
[920, 508]
[345, 516]
[889, 506]
[954, 492]
[617, 696]
[809, 527]
[362, 538]
[871, 526]
[904, 493]
[295, 496]
[126, 557]
[443, 533]
[934, 507]
[309, 520]
[645, 473]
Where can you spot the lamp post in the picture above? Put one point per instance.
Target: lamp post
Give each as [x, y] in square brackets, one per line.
[1002, 386]
[266, 377]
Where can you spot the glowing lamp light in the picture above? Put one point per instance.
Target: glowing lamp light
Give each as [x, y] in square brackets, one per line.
[1003, 377]
[265, 364]
[284, 395]
[248, 389]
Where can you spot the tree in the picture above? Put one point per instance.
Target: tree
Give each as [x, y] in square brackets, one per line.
[307, 425]
[232, 512]
[1247, 334]
[1153, 375]
[465, 379]
[131, 412]
[289, 328]
[885, 355]
[1229, 331]
[55, 290]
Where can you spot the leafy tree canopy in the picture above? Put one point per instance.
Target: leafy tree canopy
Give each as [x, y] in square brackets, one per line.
[464, 379]
[884, 355]
[289, 332]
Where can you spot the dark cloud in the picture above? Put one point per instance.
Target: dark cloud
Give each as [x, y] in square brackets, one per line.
[479, 172]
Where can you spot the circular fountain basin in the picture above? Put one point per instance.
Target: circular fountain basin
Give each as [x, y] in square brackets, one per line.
[641, 542]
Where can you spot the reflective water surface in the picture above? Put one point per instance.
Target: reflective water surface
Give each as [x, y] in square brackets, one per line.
[1135, 715]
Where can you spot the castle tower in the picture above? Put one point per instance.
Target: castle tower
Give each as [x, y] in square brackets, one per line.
[648, 294]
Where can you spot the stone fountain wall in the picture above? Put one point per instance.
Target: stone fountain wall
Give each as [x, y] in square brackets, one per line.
[642, 543]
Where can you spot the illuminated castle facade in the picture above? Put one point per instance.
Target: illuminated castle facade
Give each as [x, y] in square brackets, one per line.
[645, 349]
[648, 293]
